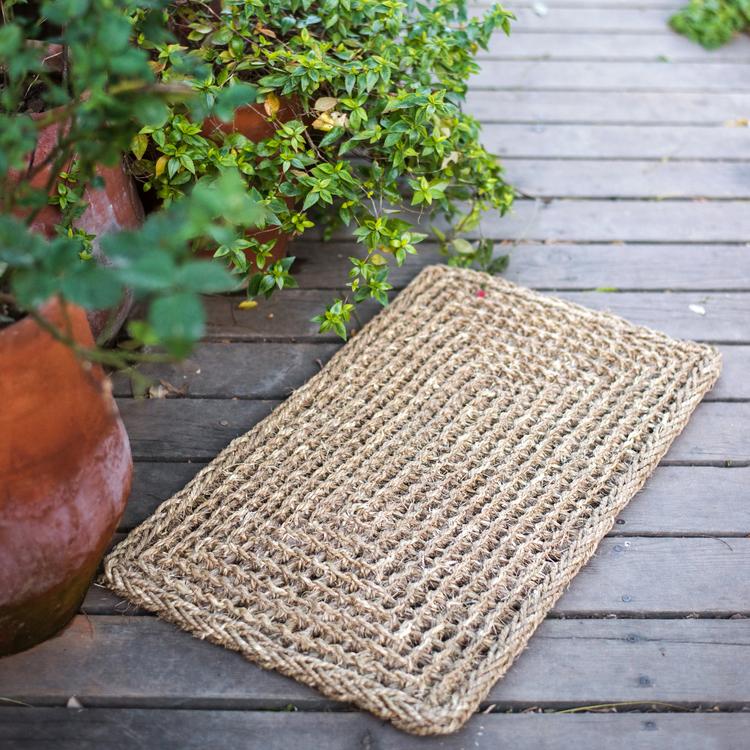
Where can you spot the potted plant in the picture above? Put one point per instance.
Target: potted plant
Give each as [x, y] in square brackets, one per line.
[373, 135]
[64, 456]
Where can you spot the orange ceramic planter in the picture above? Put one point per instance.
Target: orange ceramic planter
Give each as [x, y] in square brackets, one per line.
[253, 122]
[114, 207]
[65, 469]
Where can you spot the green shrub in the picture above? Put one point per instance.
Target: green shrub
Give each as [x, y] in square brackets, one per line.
[712, 23]
[380, 141]
[103, 95]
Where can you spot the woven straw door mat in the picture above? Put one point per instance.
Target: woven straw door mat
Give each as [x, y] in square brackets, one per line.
[396, 530]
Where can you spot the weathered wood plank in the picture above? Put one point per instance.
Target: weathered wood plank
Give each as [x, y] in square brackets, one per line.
[142, 661]
[154, 482]
[618, 76]
[582, 20]
[557, 266]
[606, 6]
[187, 429]
[617, 142]
[677, 500]
[581, 178]
[607, 107]
[669, 4]
[628, 221]
[726, 316]
[595, 4]
[656, 48]
[628, 577]
[236, 370]
[726, 319]
[598, 4]
[270, 371]
[639, 576]
[716, 433]
[124, 729]
[576, 220]
[685, 500]
[197, 429]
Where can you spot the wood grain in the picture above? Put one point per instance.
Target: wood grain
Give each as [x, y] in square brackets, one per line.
[576, 178]
[238, 370]
[584, 19]
[261, 370]
[663, 49]
[600, 75]
[666, 109]
[124, 729]
[726, 318]
[143, 661]
[633, 576]
[561, 266]
[652, 142]
[627, 221]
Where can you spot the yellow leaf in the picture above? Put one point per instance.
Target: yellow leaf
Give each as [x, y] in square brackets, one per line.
[247, 304]
[271, 104]
[378, 260]
[325, 103]
[329, 120]
[324, 122]
[138, 145]
[161, 165]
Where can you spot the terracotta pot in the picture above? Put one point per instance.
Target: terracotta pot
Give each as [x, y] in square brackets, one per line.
[65, 470]
[113, 207]
[253, 122]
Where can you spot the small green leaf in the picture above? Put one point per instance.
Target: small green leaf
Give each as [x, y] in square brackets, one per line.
[233, 97]
[178, 320]
[462, 246]
[205, 277]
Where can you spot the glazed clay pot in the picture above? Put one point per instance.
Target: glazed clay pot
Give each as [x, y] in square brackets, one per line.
[115, 206]
[253, 122]
[65, 469]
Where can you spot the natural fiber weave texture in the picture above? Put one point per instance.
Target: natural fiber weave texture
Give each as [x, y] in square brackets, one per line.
[396, 530]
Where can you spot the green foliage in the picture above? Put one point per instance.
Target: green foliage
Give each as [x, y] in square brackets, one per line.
[712, 23]
[480, 256]
[103, 94]
[335, 317]
[377, 140]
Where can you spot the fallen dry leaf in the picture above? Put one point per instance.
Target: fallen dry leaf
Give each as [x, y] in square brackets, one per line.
[266, 32]
[271, 104]
[325, 103]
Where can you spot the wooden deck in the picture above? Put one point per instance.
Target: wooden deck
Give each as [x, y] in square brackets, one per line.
[623, 136]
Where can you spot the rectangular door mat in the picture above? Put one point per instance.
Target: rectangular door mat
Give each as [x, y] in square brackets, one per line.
[396, 530]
